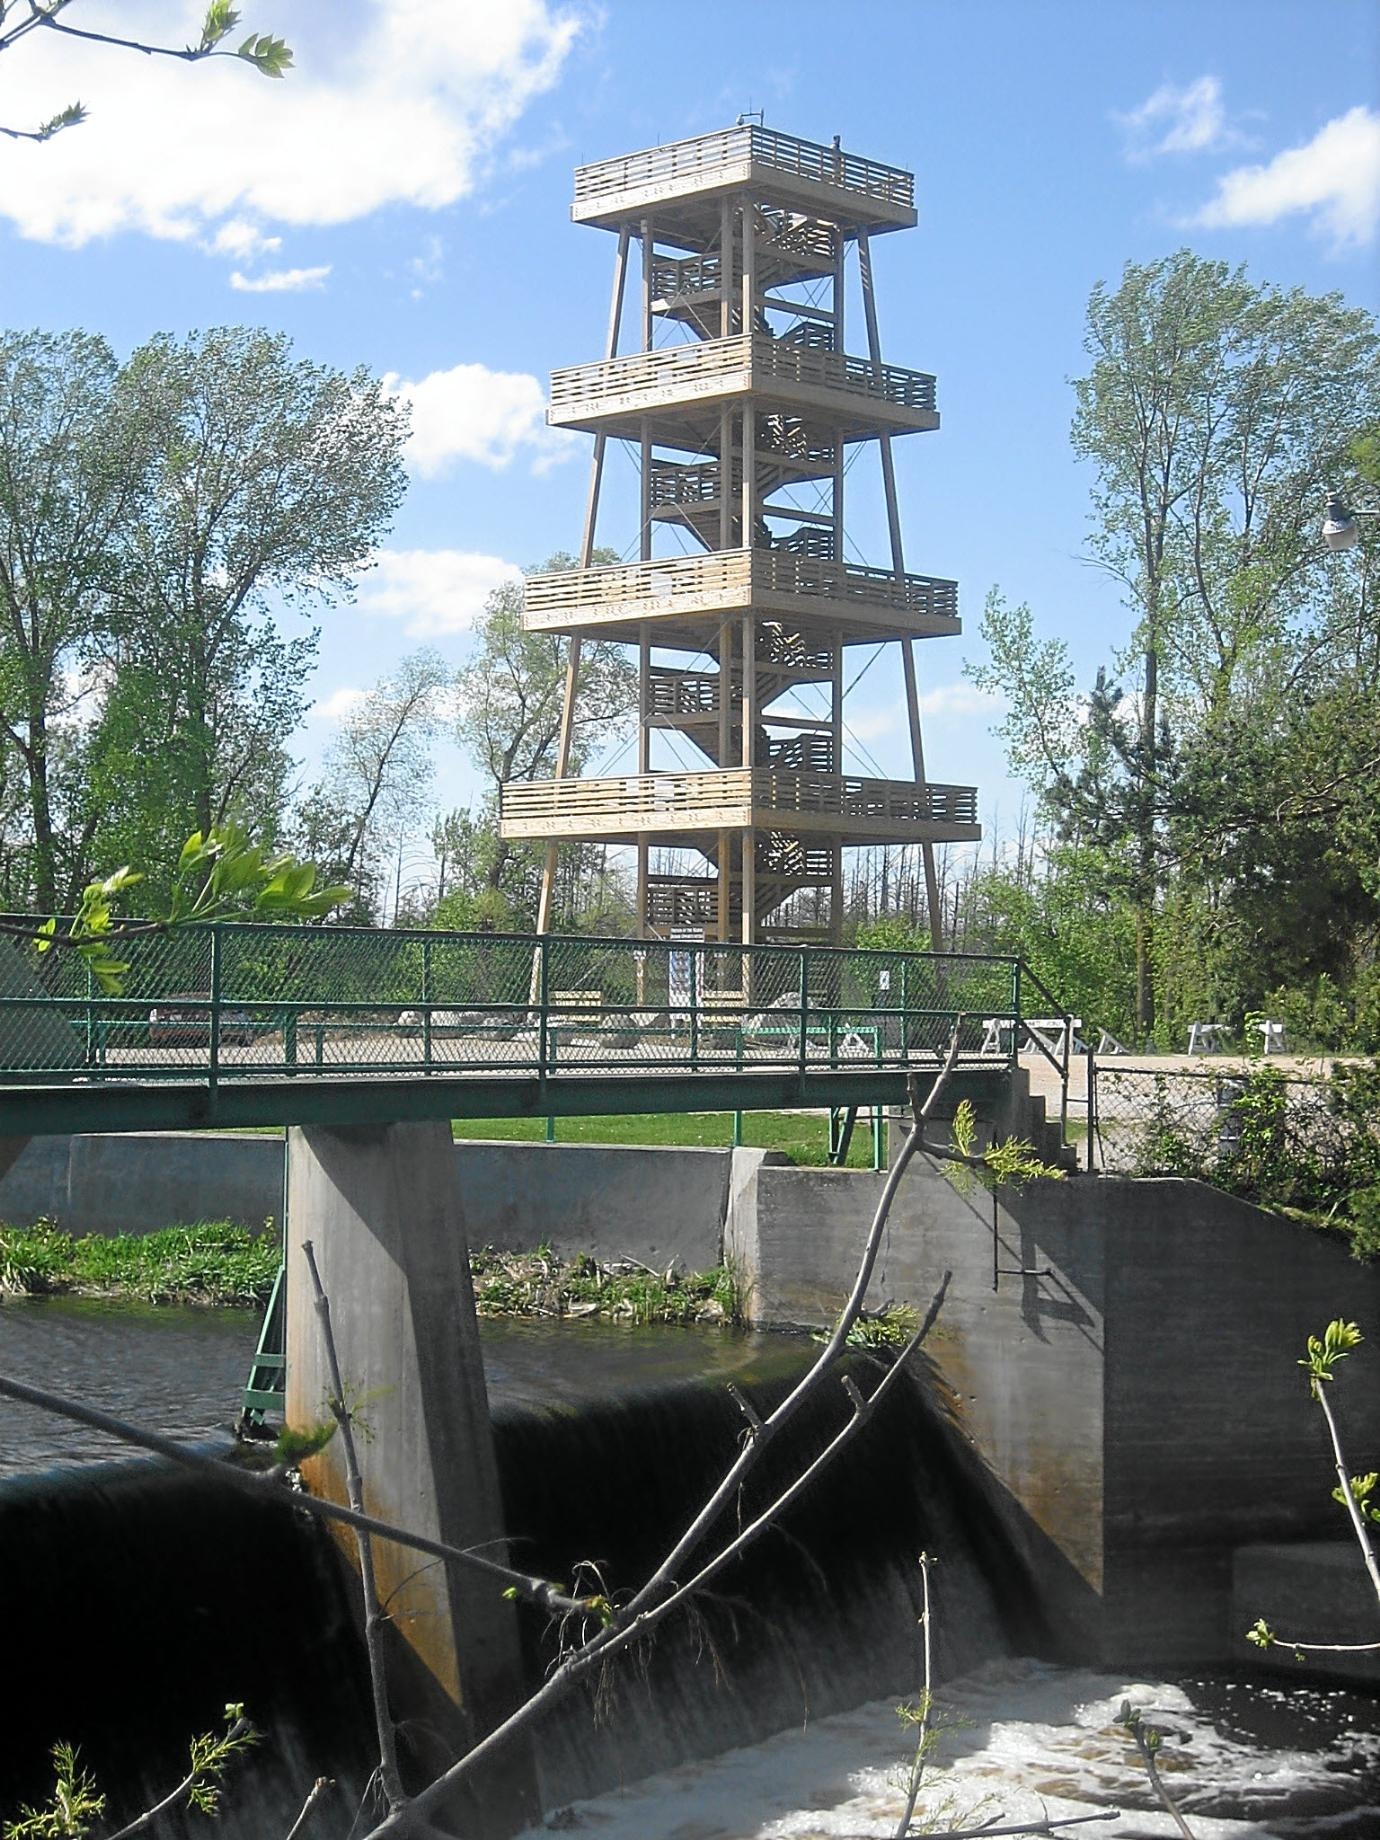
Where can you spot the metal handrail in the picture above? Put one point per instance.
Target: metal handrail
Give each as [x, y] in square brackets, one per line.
[220, 1004]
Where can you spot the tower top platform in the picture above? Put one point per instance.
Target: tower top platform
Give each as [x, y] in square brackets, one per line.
[683, 181]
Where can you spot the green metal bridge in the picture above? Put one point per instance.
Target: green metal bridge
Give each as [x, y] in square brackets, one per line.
[235, 1024]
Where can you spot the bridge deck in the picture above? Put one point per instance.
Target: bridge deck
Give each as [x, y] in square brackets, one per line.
[241, 1025]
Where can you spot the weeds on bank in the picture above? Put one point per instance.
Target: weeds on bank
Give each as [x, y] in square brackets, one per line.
[541, 1283]
[213, 1262]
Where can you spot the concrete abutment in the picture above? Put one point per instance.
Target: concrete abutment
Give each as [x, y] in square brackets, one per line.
[1118, 1357]
[382, 1209]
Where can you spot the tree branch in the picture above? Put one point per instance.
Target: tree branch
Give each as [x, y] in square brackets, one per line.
[660, 1594]
[538, 1591]
[389, 1775]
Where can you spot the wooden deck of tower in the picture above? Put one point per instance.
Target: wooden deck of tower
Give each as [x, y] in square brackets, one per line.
[744, 419]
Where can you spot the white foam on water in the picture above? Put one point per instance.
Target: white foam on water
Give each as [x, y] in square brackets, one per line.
[1023, 1740]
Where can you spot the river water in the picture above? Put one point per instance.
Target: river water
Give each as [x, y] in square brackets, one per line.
[1247, 1758]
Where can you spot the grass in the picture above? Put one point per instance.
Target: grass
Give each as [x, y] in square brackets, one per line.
[802, 1136]
[542, 1284]
[216, 1263]
[212, 1262]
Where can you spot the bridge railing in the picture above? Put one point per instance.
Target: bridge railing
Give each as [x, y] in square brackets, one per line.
[238, 1002]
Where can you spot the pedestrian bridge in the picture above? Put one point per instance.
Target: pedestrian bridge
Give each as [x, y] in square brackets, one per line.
[237, 1024]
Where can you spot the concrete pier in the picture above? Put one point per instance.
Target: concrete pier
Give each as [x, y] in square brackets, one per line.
[382, 1208]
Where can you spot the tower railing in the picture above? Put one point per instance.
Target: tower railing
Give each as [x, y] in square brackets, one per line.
[705, 156]
[729, 578]
[728, 798]
[710, 365]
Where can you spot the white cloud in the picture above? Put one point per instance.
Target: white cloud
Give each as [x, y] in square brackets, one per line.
[1334, 179]
[281, 280]
[241, 241]
[427, 268]
[339, 704]
[473, 413]
[389, 102]
[435, 591]
[1179, 119]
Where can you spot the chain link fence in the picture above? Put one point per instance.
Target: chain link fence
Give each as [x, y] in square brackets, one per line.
[239, 1001]
[1289, 1139]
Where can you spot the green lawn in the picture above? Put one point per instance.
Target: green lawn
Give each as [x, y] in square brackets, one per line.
[803, 1136]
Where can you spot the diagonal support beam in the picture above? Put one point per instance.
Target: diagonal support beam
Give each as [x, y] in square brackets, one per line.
[893, 514]
[572, 666]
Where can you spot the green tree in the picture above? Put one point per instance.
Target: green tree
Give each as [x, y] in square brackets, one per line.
[270, 482]
[1215, 412]
[73, 472]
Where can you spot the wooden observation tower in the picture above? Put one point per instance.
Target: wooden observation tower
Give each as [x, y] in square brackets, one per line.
[746, 414]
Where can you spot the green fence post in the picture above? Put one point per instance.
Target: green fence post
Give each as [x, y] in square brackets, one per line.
[1015, 1009]
[905, 1009]
[876, 1137]
[426, 1004]
[290, 1040]
[543, 1015]
[90, 1020]
[1092, 1108]
[213, 1063]
[694, 1010]
[804, 1003]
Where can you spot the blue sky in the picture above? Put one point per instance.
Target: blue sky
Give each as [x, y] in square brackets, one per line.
[401, 200]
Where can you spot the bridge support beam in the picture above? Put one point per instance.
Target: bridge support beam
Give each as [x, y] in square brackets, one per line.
[381, 1206]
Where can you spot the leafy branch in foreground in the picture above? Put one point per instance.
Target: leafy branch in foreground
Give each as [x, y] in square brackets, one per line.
[76, 1802]
[270, 56]
[1008, 1164]
[221, 875]
[1325, 1354]
[1148, 1741]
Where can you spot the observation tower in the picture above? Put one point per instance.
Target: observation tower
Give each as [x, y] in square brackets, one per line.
[745, 412]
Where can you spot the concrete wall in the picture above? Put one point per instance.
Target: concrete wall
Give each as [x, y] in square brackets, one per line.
[143, 1181]
[1119, 1356]
[1126, 1380]
[649, 1204]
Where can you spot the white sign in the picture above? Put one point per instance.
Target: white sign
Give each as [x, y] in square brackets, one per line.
[680, 967]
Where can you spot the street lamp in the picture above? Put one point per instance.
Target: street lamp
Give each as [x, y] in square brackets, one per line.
[1340, 529]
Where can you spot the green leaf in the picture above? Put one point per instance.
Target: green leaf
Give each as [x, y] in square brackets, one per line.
[70, 117]
[120, 880]
[221, 19]
[270, 56]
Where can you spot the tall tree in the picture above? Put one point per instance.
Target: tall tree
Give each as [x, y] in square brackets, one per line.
[73, 468]
[271, 480]
[1215, 413]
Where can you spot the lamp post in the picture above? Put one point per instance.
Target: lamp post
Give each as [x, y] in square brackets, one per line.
[1341, 528]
